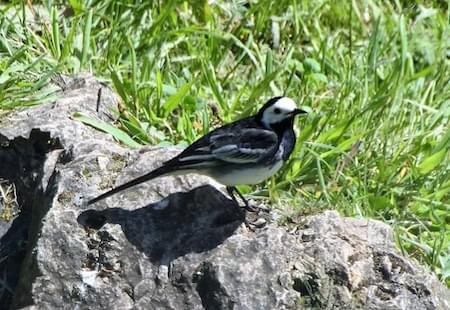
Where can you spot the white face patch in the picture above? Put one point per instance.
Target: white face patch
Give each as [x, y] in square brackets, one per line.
[279, 111]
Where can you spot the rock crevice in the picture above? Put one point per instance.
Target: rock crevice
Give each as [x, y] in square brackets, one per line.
[24, 161]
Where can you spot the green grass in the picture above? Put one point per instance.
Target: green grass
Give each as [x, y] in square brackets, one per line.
[374, 73]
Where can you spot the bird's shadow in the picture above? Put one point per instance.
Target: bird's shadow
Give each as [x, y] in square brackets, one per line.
[182, 223]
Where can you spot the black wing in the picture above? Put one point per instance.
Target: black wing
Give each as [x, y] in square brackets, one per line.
[237, 146]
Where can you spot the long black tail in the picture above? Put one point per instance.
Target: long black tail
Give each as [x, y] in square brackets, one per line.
[146, 177]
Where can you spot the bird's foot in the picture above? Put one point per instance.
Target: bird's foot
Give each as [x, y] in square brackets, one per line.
[249, 226]
[253, 225]
[253, 208]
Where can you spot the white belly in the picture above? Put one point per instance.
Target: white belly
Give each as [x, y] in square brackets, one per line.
[246, 176]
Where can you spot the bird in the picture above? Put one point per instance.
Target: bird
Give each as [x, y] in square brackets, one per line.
[247, 151]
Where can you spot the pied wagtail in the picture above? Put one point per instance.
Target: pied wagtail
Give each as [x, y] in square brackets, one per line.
[247, 151]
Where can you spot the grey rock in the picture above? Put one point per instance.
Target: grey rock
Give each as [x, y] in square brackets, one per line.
[174, 242]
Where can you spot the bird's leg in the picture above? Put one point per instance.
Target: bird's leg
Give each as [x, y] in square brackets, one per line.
[230, 190]
[247, 205]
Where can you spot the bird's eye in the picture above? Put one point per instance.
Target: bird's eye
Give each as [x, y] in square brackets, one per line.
[276, 111]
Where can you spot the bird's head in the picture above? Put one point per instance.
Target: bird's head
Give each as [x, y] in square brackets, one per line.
[278, 110]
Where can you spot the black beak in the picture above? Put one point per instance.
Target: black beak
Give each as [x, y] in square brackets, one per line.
[298, 111]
